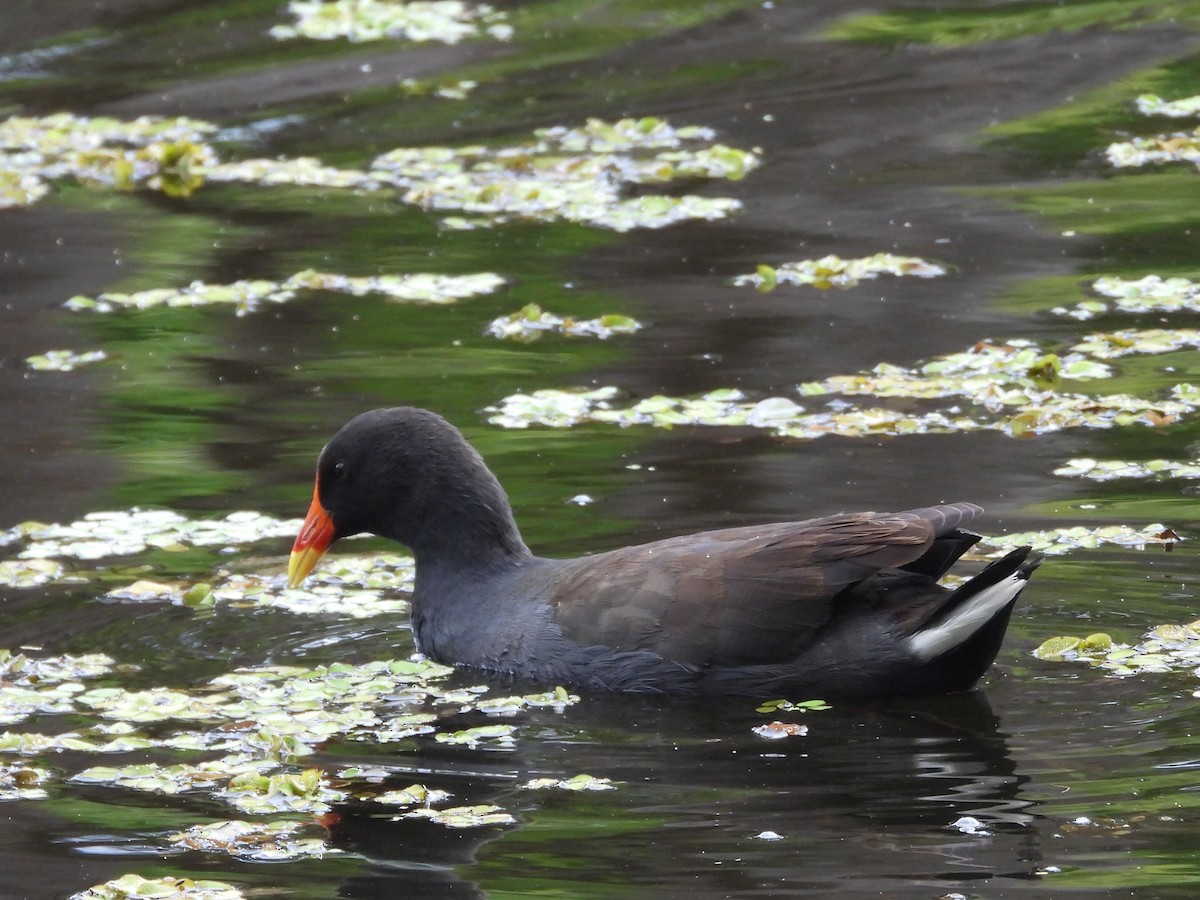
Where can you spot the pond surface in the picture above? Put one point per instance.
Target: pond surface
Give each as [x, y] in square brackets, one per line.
[970, 136]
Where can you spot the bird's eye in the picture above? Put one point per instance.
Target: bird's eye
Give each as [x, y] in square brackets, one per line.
[340, 472]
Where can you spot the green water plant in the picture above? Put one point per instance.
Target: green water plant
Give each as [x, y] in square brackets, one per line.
[443, 21]
[833, 271]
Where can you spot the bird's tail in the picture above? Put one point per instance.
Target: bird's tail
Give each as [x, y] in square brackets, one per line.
[965, 633]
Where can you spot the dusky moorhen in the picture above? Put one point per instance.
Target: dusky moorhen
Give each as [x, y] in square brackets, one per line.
[845, 605]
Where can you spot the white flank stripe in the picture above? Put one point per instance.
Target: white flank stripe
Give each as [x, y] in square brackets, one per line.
[966, 620]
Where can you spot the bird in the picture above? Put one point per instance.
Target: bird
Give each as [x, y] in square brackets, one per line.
[844, 605]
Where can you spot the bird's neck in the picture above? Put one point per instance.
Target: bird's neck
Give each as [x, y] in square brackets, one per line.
[471, 530]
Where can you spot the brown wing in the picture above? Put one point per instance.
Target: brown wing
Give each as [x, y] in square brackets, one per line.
[744, 594]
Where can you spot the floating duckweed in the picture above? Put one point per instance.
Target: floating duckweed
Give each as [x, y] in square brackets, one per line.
[788, 706]
[153, 705]
[574, 783]
[1149, 294]
[447, 21]
[318, 600]
[1146, 151]
[327, 594]
[991, 375]
[123, 532]
[1032, 411]
[22, 782]
[168, 887]
[449, 90]
[530, 322]
[415, 288]
[303, 171]
[413, 795]
[172, 779]
[1165, 648]
[402, 727]
[27, 573]
[833, 271]
[1111, 469]
[1129, 341]
[64, 360]
[248, 296]
[19, 669]
[463, 816]
[260, 794]
[1056, 541]
[558, 700]
[500, 736]
[572, 174]
[19, 703]
[266, 841]
[20, 188]
[1153, 105]
[161, 153]
[116, 738]
[575, 175]
[61, 133]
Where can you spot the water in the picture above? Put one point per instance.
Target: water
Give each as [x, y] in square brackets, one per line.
[1075, 783]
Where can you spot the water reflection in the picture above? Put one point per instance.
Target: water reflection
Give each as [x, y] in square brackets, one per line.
[879, 789]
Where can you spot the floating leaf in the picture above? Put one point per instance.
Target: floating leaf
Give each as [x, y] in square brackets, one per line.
[260, 794]
[168, 887]
[22, 782]
[574, 783]
[248, 296]
[27, 573]
[119, 533]
[1153, 105]
[413, 795]
[445, 21]
[833, 271]
[64, 360]
[265, 841]
[771, 706]
[1057, 647]
[500, 736]
[1165, 648]
[463, 816]
[1145, 151]
[530, 322]
[1111, 469]
[1056, 541]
